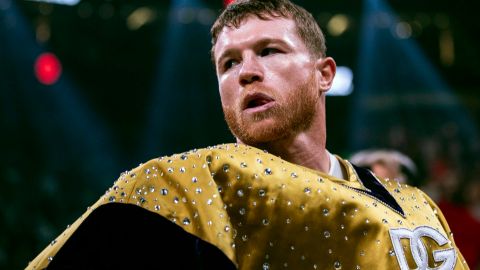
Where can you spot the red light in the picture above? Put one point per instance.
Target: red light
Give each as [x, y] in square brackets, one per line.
[227, 2]
[47, 68]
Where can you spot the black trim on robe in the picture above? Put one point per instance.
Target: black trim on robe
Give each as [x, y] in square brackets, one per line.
[124, 236]
[376, 189]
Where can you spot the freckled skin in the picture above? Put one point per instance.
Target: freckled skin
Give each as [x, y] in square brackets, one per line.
[269, 57]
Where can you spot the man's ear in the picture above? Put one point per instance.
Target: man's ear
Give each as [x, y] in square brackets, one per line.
[326, 68]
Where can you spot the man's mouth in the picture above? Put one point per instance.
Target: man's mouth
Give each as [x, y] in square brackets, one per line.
[257, 102]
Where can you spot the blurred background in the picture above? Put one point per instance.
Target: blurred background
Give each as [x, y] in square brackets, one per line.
[89, 89]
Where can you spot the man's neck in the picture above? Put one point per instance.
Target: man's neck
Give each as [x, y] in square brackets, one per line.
[301, 150]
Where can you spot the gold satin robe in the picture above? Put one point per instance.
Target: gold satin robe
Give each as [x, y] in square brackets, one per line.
[265, 213]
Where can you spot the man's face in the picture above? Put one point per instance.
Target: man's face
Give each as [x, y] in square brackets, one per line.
[267, 80]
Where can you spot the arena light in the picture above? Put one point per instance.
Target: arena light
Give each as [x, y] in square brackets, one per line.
[342, 83]
[227, 2]
[140, 17]
[338, 24]
[59, 2]
[47, 68]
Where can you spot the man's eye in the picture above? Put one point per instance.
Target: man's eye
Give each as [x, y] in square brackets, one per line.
[268, 51]
[230, 63]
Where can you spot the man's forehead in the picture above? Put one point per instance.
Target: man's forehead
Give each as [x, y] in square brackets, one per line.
[252, 28]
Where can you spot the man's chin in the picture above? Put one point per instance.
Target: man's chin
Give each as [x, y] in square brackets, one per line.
[262, 132]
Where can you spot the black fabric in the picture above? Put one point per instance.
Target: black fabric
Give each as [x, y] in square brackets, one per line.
[123, 236]
[377, 190]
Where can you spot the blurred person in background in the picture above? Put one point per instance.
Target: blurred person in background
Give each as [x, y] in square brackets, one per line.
[389, 164]
[275, 199]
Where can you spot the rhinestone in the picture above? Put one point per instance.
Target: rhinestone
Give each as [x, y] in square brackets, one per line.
[367, 221]
[209, 201]
[384, 221]
[50, 258]
[194, 179]
[53, 242]
[362, 253]
[240, 193]
[292, 247]
[243, 165]
[164, 191]
[266, 266]
[399, 222]
[268, 171]
[293, 175]
[157, 207]
[186, 221]
[175, 200]
[337, 265]
[183, 157]
[170, 170]
[111, 198]
[288, 221]
[209, 159]
[265, 221]
[198, 190]
[342, 226]
[259, 160]
[226, 168]
[326, 234]
[142, 200]
[226, 229]
[397, 190]
[307, 190]
[242, 211]
[325, 211]
[244, 238]
[261, 193]
[391, 252]
[357, 267]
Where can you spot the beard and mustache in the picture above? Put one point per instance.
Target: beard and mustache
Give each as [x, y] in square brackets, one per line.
[292, 113]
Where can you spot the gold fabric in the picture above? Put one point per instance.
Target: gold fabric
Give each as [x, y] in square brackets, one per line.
[266, 213]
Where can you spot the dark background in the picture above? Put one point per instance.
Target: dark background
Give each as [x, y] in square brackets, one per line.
[127, 95]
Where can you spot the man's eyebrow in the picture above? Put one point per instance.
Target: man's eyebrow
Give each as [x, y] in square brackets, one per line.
[259, 43]
[226, 53]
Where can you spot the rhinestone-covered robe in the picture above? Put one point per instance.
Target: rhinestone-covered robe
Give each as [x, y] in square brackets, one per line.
[253, 210]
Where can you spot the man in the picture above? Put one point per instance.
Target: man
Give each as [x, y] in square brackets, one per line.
[277, 198]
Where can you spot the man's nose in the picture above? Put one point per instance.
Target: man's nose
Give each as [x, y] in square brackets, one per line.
[251, 71]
